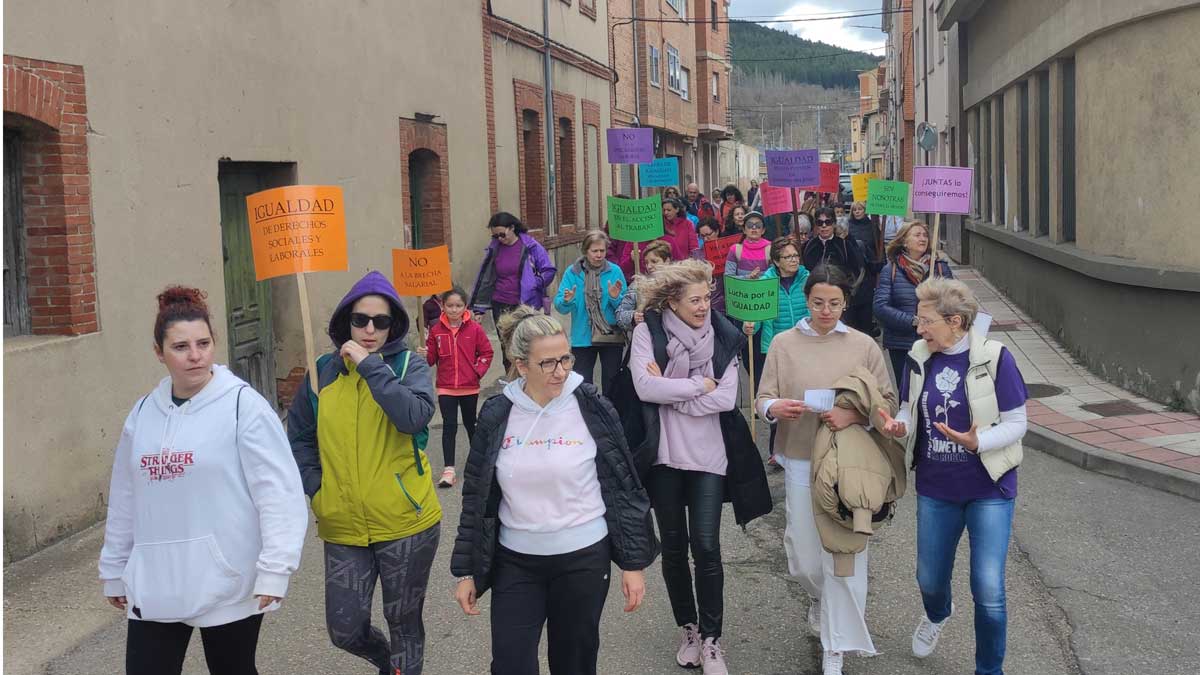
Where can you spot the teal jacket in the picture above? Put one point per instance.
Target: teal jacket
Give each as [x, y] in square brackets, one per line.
[581, 325]
[793, 306]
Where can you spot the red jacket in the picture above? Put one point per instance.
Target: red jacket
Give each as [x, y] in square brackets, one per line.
[461, 354]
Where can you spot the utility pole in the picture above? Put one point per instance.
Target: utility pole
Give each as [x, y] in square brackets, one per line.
[781, 125]
[819, 130]
[550, 125]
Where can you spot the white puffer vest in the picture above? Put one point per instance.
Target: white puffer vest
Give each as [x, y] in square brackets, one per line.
[983, 359]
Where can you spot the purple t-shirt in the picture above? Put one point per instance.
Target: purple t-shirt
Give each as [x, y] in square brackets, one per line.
[508, 273]
[945, 469]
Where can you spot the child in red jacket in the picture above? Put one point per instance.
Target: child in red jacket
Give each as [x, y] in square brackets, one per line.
[462, 353]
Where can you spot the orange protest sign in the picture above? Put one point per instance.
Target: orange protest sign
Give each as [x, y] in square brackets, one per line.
[716, 252]
[298, 228]
[422, 271]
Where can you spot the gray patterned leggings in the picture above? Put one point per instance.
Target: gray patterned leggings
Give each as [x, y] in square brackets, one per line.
[403, 566]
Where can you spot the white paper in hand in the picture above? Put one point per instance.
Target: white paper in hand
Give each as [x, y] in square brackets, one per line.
[819, 400]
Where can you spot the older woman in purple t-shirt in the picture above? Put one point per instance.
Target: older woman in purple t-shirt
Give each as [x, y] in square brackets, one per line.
[955, 381]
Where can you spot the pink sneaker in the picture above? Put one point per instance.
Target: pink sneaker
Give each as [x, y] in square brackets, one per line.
[689, 647]
[713, 658]
[447, 478]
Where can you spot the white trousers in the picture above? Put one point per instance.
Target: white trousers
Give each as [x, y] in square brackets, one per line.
[843, 599]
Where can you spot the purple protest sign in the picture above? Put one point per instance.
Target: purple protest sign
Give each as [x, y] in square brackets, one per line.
[632, 145]
[941, 189]
[793, 168]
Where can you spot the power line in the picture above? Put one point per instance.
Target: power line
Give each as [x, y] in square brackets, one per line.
[755, 19]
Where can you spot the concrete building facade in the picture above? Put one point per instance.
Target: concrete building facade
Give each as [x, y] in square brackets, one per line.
[133, 134]
[671, 61]
[1073, 116]
[896, 93]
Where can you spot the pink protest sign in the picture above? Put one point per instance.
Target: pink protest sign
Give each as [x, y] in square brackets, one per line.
[793, 168]
[829, 172]
[633, 145]
[941, 189]
[776, 200]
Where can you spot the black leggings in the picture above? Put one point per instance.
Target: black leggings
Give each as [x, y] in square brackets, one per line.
[700, 493]
[610, 363]
[155, 648]
[499, 309]
[450, 406]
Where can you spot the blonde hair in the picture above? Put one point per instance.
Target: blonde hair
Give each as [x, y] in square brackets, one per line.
[858, 205]
[592, 237]
[897, 245]
[659, 248]
[669, 281]
[950, 297]
[521, 326]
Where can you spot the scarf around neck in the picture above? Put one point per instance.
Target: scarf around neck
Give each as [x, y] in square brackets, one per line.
[689, 350]
[592, 298]
[916, 270]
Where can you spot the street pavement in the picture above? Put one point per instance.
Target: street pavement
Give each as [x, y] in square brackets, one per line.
[1101, 580]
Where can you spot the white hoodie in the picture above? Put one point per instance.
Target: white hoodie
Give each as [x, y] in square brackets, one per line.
[550, 493]
[200, 521]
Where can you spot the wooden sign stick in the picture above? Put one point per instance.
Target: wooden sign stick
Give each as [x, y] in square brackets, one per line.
[933, 244]
[306, 318]
[753, 353]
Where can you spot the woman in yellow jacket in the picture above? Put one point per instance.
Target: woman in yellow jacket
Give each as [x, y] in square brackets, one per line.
[358, 444]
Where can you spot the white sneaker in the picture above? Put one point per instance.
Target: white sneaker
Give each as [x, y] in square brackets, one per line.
[713, 658]
[925, 638]
[688, 655]
[814, 618]
[832, 663]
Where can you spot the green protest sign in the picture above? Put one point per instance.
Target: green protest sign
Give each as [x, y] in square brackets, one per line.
[752, 299]
[887, 198]
[635, 219]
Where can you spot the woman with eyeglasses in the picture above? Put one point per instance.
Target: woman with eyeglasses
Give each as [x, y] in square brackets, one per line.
[813, 355]
[516, 270]
[551, 498]
[358, 442]
[895, 299]
[826, 248]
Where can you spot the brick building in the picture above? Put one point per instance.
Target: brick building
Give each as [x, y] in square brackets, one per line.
[672, 66]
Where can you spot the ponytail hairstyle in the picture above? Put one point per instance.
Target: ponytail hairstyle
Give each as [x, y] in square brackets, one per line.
[179, 303]
[520, 327]
[506, 219]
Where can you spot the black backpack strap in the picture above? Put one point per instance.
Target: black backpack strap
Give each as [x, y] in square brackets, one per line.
[237, 412]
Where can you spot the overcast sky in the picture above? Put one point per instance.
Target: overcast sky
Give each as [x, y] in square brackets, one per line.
[862, 34]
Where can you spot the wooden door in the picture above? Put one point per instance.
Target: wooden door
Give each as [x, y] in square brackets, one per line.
[247, 302]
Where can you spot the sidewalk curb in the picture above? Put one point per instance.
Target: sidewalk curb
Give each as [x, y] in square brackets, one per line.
[1114, 464]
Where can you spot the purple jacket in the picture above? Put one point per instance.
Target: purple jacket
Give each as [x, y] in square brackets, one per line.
[537, 273]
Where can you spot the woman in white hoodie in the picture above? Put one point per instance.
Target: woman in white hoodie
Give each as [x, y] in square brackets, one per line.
[206, 515]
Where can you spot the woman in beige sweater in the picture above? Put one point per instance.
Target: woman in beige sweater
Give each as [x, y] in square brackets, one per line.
[814, 354]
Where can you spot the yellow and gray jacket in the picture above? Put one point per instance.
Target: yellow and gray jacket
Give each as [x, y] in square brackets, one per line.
[357, 447]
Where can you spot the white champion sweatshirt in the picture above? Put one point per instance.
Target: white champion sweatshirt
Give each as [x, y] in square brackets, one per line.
[550, 493]
[199, 522]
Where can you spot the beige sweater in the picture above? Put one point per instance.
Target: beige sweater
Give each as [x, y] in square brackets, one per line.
[797, 362]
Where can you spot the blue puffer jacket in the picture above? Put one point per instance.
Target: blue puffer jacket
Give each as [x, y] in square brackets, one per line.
[575, 277]
[896, 304]
[793, 306]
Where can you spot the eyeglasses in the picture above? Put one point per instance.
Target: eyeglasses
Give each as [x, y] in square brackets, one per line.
[549, 365]
[793, 256]
[821, 221]
[381, 321]
[755, 226]
[925, 323]
[818, 306]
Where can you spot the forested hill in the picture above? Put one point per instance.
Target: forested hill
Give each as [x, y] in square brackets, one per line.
[752, 41]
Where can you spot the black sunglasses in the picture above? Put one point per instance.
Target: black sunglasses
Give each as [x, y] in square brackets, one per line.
[381, 321]
[821, 221]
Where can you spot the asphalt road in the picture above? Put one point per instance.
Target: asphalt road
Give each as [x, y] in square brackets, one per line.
[1102, 579]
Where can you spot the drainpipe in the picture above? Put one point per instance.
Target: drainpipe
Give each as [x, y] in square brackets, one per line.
[551, 125]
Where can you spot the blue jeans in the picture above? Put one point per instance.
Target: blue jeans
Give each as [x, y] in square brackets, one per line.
[989, 524]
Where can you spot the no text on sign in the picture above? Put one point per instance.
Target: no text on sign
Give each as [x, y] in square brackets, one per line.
[887, 198]
[941, 189]
[423, 271]
[631, 145]
[775, 199]
[793, 168]
[859, 183]
[298, 228]
[752, 299]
